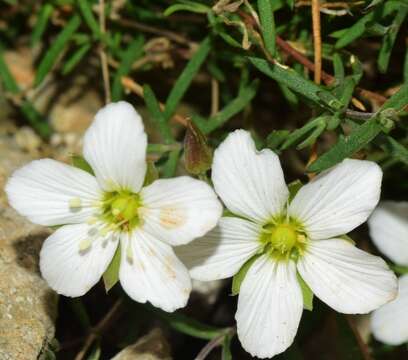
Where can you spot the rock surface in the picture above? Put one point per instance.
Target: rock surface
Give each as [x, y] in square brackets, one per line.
[152, 346]
[27, 306]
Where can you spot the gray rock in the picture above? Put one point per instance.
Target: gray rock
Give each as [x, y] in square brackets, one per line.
[152, 346]
[27, 306]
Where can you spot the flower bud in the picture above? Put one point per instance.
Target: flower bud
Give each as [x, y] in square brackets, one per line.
[197, 154]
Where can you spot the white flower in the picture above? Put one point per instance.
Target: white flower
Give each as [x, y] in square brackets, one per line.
[301, 236]
[389, 230]
[99, 212]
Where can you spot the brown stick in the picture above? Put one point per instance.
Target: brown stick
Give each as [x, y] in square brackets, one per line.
[317, 41]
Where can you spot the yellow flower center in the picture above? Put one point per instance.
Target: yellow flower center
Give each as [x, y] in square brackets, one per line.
[120, 209]
[284, 239]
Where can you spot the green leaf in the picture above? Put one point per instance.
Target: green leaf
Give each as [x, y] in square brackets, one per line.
[111, 274]
[35, 119]
[347, 146]
[170, 167]
[42, 20]
[186, 77]
[267, 25]
[290, 78]
[307, 132]
[56, 48]
[226, 348]
[396, 150]
[133, 52]
[276, 138]
[240, 275]
[233, 108]
[359, 28]
[389, 40]
[86, 11]
[6, 77]
[186, 325]
[76, 57]
[398, 101]
[80, 163]
[307, 293]
[293, 188]
[185, 5]
[157, 115]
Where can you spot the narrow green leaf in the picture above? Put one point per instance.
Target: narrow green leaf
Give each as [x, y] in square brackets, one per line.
[170, 167]
[338, 66]
[80, 163]
[133, 52]
[186, 325]
[226, 348]
[75, 59]
[397, 150]
[389, 40]
[276, 138]
[305, 131]
[289, 95]
[267, 25]
[240, 275]
[398, 101]
[306, 293]
[9, 83]
[56, 48]
[290, 78]
[233, 108]
[185, 5]
[347, 146]
[186, 77]
[86, 11]
[111, 274]
[41, 24]
[157, 115]
[95, 353]
[358, 29]
[35, 119]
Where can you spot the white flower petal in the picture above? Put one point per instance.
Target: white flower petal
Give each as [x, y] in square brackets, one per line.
[221, 253]
[115, 146]
[270, 306]
[388, 226]
[250, 183]
[69, 270]
[338, 200]
[390, 322]
[51, 193]
[346, 278]
[150, 271]
[179, 210]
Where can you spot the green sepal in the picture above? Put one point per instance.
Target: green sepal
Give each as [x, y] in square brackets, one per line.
[293, 188]
[111, 275]
[348, 238]
[399, 269]
[307, 293]
[240, 275]
[152, 173]
[80, 163]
